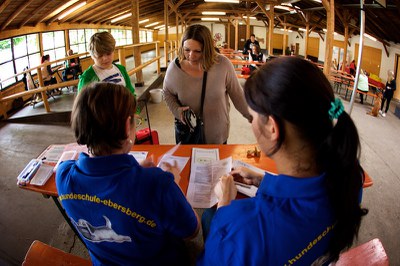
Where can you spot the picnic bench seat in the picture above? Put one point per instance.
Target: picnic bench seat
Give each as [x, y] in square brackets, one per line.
[370, 253]
[41, 254]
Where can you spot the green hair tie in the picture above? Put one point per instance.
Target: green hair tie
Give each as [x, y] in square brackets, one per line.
[336, 109]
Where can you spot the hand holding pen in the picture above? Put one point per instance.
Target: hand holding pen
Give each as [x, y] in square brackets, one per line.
[247, 176]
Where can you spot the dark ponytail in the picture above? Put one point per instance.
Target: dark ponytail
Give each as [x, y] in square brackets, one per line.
[294, 90]
[339, 156]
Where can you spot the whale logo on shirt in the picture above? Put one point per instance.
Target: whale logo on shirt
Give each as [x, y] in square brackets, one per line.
[99, 233]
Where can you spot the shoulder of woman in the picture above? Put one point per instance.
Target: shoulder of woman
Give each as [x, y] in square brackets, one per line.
[172, 67]
[222, 59]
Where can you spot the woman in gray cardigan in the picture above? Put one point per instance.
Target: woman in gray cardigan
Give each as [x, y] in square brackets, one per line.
[184, 78]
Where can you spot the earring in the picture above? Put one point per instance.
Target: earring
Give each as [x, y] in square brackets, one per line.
[130, 141]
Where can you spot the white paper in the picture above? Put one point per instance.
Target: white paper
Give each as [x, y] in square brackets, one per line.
[52, 154]
[237, 163]
[248, 190]
[171, 159]
[140, 156]
[203, 178]
[204, 156]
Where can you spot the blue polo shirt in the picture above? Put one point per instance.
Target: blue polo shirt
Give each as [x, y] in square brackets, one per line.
[126, 214]
[288, 222]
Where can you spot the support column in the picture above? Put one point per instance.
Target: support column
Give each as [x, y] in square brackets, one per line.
[271, 29]
[236, 34]
[166, 43]
[137, 55]
[330, 22]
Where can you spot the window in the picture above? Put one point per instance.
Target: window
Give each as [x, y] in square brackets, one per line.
[77, 41]
[16, 54]
[122, 37]
[54, 45]
[6, 64]
[145, 36]
[149, 36]
[142, 36]
[88, 35]
[129, 37]
[26, 52]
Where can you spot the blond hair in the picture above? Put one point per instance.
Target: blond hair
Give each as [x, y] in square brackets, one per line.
[101, 43]
[202, 35]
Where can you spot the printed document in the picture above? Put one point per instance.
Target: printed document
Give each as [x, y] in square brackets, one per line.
[206, 169]
[204, 174]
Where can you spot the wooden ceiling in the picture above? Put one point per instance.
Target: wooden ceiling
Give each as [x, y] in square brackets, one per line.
[382, 23]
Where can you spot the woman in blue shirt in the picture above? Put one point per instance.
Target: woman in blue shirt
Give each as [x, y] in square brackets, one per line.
[126, 213]
[308, 212]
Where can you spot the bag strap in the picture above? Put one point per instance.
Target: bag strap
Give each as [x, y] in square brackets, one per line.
[203, 93]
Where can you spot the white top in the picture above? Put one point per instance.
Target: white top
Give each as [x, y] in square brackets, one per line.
[112, 75]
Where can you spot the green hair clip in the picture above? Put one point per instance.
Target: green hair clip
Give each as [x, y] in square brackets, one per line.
[336, 109]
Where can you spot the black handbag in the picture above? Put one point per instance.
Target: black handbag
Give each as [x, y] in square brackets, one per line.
[185, 134]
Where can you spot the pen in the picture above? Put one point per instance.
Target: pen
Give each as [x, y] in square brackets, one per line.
[30, 170]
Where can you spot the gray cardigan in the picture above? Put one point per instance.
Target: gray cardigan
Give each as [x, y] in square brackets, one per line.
[181, 89]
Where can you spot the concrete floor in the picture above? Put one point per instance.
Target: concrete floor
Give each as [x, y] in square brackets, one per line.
[26, 216]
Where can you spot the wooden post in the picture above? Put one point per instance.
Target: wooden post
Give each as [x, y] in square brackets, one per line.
[176, 28]
[228, 38]
[330, 22]
[346, 39]
[248, 27]
[137, 55]
[270, 29]
[306, 37]
[121, 56]
[157, 55]
[236, 34]
[284, 38]
[166, 55]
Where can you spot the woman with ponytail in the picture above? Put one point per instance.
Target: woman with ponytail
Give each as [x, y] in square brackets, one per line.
[310, 211]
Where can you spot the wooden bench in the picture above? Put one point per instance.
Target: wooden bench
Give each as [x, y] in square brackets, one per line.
[366, 93]
[370, 253]
[41, 254]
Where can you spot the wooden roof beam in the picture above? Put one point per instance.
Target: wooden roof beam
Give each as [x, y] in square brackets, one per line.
[261, 6]
[36, 11]
[174, 8]
[109, 13]
[15, 14]
[4, 5]
[82, 10]
[99, 11]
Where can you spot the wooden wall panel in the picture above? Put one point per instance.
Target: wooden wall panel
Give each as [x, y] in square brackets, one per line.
[313, 46]
[277, 41]
[371, 59]
[338, 43]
